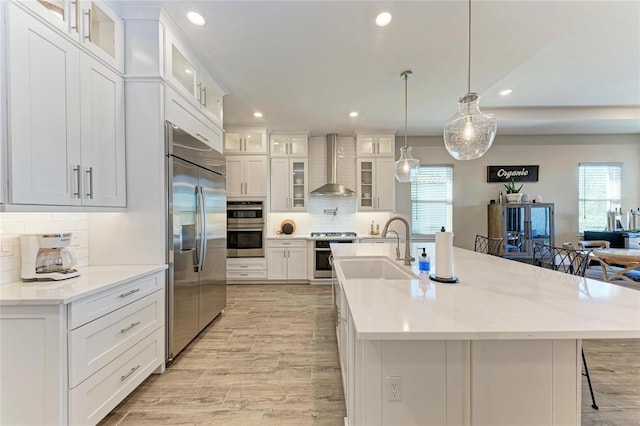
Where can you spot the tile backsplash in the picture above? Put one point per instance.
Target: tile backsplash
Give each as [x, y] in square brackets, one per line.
[13, 225]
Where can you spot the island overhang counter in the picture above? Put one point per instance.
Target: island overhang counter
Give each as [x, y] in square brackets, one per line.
[502, 347]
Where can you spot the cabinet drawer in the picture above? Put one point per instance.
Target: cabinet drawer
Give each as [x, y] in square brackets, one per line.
[287, 243]
[96, 344]
[246, 275]
[99, 394]
[92, 307]
[247, 266]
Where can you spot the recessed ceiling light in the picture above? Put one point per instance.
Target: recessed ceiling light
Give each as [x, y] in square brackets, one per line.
[383, 19]
[196, 19]
[353, 114]
[506, 92]
[188, 71]
[257, 114]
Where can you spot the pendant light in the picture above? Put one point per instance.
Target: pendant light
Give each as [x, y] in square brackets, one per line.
[407, 167]
[469, 133]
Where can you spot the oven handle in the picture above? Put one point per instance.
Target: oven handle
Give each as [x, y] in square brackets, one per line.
[231, 228]
[257, 208]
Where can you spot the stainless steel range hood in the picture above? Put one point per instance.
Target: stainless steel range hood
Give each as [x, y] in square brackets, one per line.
[332, 187]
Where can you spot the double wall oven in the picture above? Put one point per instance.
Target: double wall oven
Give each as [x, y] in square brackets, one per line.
[322, 251]
[245, 229]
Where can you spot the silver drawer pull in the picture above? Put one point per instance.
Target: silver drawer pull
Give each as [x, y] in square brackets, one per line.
[129, 293]
[133, 370]
[244, 275]
[134, 324]
[244, 266]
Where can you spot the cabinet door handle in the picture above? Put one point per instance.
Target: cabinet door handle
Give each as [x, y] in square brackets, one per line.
[76, 170]
[133, 325]
[200, 93]
[90, 176]
[88, 15]
[204, 96]
[129, 293]
[133, 370]
[75, 23]
[202, 137]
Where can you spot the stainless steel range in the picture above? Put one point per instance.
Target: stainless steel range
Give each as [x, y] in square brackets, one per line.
[322, 252]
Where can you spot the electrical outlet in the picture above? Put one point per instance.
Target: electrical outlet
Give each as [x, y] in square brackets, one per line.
[394, 388]
[7, 247]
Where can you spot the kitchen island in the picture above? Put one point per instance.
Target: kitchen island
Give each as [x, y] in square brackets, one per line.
[502, 347]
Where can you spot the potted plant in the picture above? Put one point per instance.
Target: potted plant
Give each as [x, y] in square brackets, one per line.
[513, 192]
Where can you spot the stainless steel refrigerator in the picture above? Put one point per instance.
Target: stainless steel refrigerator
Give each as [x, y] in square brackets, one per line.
[197, 237]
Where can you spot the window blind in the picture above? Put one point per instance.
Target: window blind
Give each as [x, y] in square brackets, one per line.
[432, 200]
[599, 190]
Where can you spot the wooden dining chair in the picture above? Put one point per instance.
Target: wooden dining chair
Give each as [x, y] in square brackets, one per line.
[488, 245]
[603, 244]
[568, 260]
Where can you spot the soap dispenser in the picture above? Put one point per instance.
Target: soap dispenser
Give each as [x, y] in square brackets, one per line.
[424, 262]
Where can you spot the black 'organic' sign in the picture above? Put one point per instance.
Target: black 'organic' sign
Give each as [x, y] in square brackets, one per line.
[515, 173]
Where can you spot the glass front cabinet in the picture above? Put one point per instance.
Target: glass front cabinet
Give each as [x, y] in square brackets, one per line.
[521, 225]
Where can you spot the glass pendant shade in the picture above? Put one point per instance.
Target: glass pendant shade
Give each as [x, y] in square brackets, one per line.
[407, 167]
[469, 133]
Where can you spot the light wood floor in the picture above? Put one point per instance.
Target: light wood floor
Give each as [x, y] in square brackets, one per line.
[271, 359]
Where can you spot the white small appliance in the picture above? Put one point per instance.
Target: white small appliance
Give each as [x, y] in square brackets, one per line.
[48, 257]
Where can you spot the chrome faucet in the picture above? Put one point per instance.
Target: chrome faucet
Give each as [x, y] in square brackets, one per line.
[407, 244]
[397, 243]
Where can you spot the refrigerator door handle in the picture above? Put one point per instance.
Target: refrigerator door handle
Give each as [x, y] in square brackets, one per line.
[198, 251]
[203, 228]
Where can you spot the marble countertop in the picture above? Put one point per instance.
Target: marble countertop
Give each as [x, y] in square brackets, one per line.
[92, 279]
[495, 299]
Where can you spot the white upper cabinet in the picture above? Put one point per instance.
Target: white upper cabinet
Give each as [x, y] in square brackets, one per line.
[92, 23]
[191, 78]
[247, 176]
[62, 14]
[375, 145]
[289, 184]
[245, 141]
[66, 120]
[102, 32]
[44, 133]
[376, 184]
[102, 134]
[289, 145]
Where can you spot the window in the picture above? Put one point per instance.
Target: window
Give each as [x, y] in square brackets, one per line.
[599, 190]
[432, 200]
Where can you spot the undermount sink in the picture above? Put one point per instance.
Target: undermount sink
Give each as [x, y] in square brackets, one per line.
[379, 268]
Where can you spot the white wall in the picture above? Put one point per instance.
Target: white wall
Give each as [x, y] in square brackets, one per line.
[558, 158]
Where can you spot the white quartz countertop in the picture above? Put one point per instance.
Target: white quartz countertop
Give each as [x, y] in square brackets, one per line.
[92, 279]
[495, 299]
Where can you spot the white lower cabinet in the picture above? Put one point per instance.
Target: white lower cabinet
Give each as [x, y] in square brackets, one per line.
[72, 364]
[287, 259]
[246, 268]
[94, 398]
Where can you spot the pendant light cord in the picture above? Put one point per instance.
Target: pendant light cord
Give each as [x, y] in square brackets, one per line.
[469, 54]
[405, 75]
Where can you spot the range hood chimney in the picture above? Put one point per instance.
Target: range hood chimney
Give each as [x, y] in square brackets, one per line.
[332, 187]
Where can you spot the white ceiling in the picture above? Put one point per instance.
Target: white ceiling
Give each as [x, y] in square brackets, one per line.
[574, 66]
